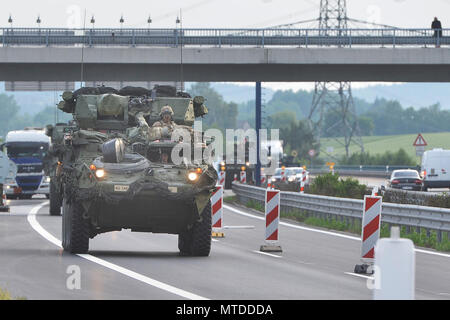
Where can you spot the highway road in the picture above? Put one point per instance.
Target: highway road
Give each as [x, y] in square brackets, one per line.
[315, 264]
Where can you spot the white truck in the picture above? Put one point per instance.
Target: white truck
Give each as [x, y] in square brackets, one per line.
[435, 169]
[27, 149]
[7, 172]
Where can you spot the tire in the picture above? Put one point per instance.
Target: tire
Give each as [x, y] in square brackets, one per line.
[75, 229]
[55, 201]
[197, 241]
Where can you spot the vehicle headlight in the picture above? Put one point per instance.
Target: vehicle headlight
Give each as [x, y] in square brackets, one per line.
[100, 173]
[192, 176]
[291, 179]
[47, 180]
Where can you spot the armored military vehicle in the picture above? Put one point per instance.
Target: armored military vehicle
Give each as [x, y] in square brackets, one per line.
[53, 163]
[119, 169]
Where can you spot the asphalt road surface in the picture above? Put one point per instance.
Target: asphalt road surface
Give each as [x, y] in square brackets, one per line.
[315, 264]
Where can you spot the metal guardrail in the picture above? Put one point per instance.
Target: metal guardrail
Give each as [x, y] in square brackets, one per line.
[360, 171]
[350, 210]
[222, 37]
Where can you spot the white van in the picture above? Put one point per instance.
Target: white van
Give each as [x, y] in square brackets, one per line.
[436, 169]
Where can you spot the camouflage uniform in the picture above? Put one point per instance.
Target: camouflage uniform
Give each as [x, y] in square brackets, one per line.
[169, 123]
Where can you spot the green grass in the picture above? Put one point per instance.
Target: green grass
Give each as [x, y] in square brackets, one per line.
[381, 144]
[229, 199]
[4, 295]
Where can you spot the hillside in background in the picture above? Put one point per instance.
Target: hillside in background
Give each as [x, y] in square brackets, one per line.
[380, 144]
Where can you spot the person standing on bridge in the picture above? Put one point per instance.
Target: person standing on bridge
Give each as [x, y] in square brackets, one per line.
[437, 27]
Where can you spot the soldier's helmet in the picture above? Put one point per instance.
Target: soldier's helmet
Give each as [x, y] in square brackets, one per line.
[166, 110]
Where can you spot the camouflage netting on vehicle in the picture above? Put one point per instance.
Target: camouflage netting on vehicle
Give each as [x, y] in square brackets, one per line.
[94, 91]
[111, 105]
[135, 91]
[88, 137]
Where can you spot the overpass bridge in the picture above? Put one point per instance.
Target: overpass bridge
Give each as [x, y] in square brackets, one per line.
[271, 55]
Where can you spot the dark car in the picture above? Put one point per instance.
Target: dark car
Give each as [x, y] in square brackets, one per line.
[406, 180]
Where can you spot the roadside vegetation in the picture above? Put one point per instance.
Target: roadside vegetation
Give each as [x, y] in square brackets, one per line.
[333, 185]
[5, 295]
[390, 158]
[403, 197]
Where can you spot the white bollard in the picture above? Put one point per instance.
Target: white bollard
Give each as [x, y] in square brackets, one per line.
[394, 268]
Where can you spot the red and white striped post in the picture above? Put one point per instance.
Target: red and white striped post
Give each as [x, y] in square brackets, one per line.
[303, 182]
[263, 179]
[283, 174]
[272, 210]
[371, 222]
[243, 177]
[222, 178]
[217, 212]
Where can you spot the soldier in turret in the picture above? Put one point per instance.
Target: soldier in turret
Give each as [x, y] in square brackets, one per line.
[166, 115]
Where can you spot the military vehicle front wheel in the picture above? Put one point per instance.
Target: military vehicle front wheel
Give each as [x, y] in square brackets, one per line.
[197, 240]
[55, 201]
[75, 228]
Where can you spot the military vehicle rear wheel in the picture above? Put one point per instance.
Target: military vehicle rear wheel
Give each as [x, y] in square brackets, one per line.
[55, 201]
[197, 240]
[75, 228]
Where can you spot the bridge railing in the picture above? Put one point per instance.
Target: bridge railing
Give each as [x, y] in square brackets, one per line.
[222, 37]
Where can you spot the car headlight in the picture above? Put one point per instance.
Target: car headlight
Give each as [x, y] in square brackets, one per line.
[192, 176]
[291, 179]
[100, 173]
[47, 180]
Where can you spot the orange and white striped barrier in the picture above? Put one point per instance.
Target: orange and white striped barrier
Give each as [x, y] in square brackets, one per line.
[370, 234]
[222, 178]
[217, 212]
[243, 177]
[272, 209]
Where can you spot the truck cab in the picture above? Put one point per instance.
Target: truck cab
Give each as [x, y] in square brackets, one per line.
[26, 149]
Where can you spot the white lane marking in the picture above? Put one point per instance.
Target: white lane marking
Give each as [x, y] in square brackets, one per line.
[239, 227]
[267, 254]
[214, 240]
[358, 275]
[137, 276]
[292, 225]
[326, 232]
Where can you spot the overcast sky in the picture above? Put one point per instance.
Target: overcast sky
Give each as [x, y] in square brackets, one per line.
[215, 13]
